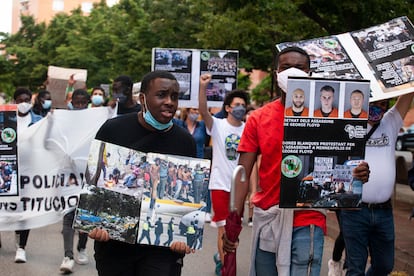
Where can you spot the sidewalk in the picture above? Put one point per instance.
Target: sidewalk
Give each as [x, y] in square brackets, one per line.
[403, 203]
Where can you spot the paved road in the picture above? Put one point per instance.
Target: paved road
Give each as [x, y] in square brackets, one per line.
[45, 247]
[45, 253]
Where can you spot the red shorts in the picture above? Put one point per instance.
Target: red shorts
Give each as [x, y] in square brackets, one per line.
[220, 202]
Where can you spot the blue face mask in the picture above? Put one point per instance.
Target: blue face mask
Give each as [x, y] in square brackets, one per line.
[70, 106]
[47, 104]
[149, 119]
[97, 100]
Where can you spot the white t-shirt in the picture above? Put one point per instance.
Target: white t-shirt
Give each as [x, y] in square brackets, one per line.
[226, 139]
[23, 122]
[380, 156]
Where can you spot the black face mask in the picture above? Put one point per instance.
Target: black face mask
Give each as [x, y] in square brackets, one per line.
[121, 95]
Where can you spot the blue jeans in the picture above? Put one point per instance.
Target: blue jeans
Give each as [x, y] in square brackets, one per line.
[301, 252]
[305, 257]
[373, 229]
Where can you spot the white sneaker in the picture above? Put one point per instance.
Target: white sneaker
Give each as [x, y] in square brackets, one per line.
[82, 257]
[207, 217]
[67, 265]
[20, 256]
[334, 268]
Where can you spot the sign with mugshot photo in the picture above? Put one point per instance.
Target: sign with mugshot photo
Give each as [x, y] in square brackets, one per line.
[324, 139]
[383, 54]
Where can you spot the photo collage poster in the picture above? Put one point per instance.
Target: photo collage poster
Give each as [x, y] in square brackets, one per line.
[324, 139]
[8, 152]
[144, 198]
[383, 54]
[188, 64]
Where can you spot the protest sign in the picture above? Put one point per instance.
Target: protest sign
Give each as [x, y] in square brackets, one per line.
[8, 151]
[319, 145]
[57, 81]
[188, 64]
[139, 197]
[383, 54]
[48, 153]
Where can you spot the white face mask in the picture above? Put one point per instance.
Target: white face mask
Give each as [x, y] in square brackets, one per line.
[24, 107]
[282, 77]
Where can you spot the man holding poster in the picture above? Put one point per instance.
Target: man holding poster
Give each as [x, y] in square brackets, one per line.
[371, 228]
[25, 118]
[149, 130]
[298, 234]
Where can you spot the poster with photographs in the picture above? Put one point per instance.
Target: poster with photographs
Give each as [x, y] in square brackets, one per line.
[188, 64]
[324, 139]
[383, 54]
[178, 62]
[222, 65]
[8, 151]
[144, 198]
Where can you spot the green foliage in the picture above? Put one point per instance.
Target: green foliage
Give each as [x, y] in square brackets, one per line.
[262, 92]
[243, 81]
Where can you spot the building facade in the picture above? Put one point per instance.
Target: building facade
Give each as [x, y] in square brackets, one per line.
[45, 10]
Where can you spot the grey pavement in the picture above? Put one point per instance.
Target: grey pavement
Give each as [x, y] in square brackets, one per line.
[45, 253]
[45, 247]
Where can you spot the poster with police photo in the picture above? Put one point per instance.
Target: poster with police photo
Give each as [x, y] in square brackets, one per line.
[324, 139]
[8, 151]
[145, 198]
[188, 64]
[383, 54]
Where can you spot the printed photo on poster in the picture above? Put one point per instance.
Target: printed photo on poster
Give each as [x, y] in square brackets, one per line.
[222, 65]
[8, 151]
[382, 54]
[164, 196]
[321, 149]
[188, 64]
[179, 63]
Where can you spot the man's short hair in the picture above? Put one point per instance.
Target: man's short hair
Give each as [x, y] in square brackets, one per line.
[358, 91]
[292, 49]
[80, 92]
[298, 89]
[146, 80]
[327, 88]
[43, 93]
[125, 80]
[22, 90]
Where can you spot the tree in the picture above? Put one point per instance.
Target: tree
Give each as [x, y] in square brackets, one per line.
[119, 40]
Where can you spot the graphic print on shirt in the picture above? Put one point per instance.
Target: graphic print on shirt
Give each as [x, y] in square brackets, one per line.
[231, 143]
[383, 140]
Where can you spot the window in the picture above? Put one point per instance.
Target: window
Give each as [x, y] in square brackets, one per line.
[87, 7]
[58, 5]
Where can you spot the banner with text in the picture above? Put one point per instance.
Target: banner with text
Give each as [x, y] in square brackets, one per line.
[49, 153]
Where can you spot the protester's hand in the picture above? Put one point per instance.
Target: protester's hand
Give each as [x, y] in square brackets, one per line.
[181, 247]
[71, 80]
[204, 80]
[112, 103]
[99, 234]
[361, 172]
[228, 245]
[251, 195]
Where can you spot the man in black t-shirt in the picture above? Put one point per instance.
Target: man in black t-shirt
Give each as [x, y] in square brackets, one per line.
[150, 130]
